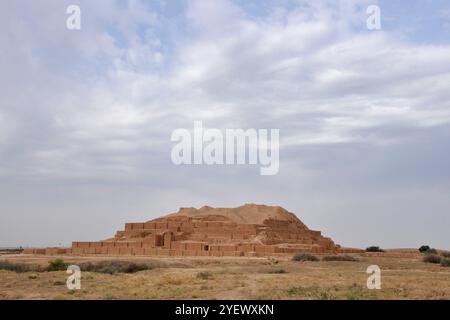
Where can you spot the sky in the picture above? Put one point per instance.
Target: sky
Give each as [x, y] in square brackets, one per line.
[364, 115]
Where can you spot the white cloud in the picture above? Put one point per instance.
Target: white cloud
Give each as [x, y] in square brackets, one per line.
[302, 70]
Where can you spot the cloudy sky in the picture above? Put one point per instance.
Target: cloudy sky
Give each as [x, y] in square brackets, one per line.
[364, 116]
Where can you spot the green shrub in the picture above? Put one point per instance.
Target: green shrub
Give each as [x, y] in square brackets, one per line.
[424, 248]
[57, 265]
[432, 258]
[431, 251]
[339, 258]
[304, 257]
[374, 249]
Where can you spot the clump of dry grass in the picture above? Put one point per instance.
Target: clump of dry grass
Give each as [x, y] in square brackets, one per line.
[432, 258]
[277, 271]
[18, 267]
[204, 275]
[114, 267]
[445, 262]
[340, 258]
[53, 265]
[304, 257]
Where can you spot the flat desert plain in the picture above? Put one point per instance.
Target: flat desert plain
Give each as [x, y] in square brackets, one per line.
[230, 278]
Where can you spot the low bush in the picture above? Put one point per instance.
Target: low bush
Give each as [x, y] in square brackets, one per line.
[57, 265]
[339, 258]
[16, 267]
[374, 249]
[432, 258]
[445, 262]
[445, 254]
[424, 248]
[304, 257]
[114, 267]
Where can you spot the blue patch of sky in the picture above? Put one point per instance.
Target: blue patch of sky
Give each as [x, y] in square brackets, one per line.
[421, 21]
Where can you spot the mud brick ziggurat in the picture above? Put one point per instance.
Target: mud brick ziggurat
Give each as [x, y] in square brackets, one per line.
[249, 230]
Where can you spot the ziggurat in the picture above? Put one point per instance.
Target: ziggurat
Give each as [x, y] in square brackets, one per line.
[249, 230]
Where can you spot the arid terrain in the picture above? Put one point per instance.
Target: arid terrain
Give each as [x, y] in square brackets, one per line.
[230, 278]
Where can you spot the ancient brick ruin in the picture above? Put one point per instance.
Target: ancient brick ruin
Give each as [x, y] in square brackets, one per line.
[249, 230]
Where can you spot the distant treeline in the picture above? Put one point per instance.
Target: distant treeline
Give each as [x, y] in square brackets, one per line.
[11, 250]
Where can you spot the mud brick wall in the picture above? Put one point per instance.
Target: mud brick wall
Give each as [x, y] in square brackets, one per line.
[134, 226]
[167, 239]
[108, 244]
[137, 251]
[195, 246]
[159, 240]
[174, 226]
[150, 225]
[120, 234]
[149, 241]
[206, 236]
[161, 225]
[150, 251]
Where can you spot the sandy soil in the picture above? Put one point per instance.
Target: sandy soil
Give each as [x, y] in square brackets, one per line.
[232, 278]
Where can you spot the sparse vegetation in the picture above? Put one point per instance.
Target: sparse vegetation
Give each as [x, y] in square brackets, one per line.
[114, 267]
[432, 258]
[54, 265]
[445, 262]
[230, 278]
[431, 251]
[17, 267]
[445, 254]
[304, 257]
[312, 292]
[109, 296]
[374, 249]
[339, 258]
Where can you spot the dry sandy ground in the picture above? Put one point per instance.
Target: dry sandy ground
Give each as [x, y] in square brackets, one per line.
[233, 278]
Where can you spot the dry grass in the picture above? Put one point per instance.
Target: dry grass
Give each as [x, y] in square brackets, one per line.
[232, 278]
